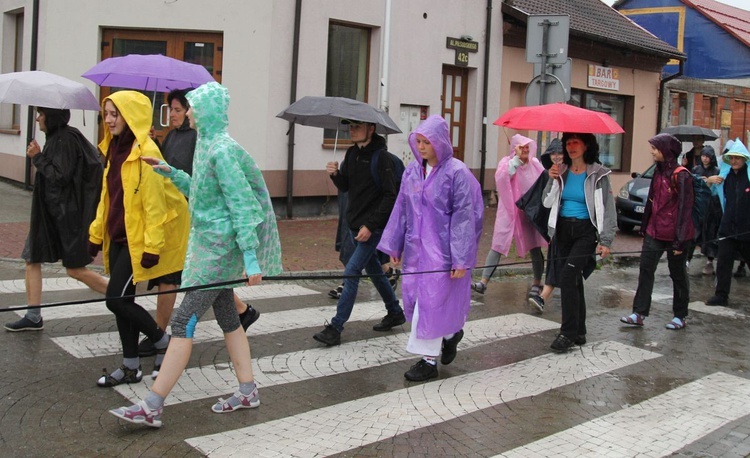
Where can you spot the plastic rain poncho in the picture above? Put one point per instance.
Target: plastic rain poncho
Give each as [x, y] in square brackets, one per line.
[435, 225]
[513, 179]
[230, 207]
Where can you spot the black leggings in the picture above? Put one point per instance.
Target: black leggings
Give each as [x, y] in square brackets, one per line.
[132, 319]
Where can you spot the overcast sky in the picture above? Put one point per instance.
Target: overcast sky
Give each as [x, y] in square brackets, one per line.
[743, 4]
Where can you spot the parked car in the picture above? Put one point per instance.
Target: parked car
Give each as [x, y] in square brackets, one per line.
[631, 200]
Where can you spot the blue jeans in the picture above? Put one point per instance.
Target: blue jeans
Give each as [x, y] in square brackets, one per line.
[364, 257]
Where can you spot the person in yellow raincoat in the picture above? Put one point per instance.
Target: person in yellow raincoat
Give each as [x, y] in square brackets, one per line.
[142, 224]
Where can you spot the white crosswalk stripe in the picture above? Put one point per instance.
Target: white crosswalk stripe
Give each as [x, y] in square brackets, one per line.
[389, 414]
[197, 383]
[662, 425]
[664, 296]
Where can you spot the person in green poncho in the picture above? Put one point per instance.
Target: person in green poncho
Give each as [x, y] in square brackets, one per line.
[233, 233]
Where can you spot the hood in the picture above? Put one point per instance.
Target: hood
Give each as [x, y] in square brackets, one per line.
[737, 149]
[727, 146]
[709, 152]
[434, 129]
[669, 146]
[54, 119]
[136, 109]
[519, 139]
[210, 104]
[555, 146]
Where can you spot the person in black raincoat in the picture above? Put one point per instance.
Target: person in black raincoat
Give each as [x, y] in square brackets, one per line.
[66, 191]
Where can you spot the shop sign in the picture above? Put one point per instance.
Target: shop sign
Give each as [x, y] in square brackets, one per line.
[604, 78]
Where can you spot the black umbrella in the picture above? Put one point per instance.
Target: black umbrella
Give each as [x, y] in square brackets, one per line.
[687, 133]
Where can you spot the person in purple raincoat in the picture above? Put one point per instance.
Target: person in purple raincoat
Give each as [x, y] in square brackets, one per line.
[435, 226]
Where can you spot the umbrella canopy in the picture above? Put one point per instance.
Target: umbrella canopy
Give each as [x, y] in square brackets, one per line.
[686, 133]
[328, 112]
[42, 89]
[559, 117]
[148, 72]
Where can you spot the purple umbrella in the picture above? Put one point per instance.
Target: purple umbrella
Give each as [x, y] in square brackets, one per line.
[148, 72]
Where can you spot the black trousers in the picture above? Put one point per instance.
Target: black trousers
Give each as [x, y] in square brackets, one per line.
[650, 254]
[576, 244]
[132, 319]
[728, 249]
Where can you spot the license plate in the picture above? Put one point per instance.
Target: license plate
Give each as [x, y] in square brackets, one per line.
[639, 208]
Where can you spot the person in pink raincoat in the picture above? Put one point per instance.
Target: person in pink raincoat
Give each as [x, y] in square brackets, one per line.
[515, 174]
[435, 226]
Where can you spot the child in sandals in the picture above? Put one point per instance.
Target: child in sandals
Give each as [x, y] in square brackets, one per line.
[233, 228]
[667, 226]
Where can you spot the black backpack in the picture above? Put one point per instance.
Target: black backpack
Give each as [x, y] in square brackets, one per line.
[398, 168]
[701, 195]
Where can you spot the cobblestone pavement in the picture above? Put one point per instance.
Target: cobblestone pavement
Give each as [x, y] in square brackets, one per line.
[626, 392]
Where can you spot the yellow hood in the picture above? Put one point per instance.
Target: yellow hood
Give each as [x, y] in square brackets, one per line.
[136, 109]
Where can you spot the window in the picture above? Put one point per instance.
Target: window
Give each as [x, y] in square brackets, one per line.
[347, 67]
[610, 145]
[12, 60]
[201, 48]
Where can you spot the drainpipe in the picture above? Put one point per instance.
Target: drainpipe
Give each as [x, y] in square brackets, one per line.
[662, 84]
[385, 63]
[485, 83]
[32, 66]
[293, 98]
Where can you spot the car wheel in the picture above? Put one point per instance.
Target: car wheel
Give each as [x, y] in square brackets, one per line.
[625, 227]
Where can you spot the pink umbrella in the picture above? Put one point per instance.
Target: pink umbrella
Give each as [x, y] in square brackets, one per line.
[148, 72]
[559, 117]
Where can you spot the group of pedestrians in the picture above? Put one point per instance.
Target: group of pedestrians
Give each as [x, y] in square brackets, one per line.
[204, 216]
[149, 231]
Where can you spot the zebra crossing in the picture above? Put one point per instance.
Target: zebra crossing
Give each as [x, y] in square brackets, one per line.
[669, 421]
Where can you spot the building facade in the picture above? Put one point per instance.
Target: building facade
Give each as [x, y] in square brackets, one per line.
[392, 54]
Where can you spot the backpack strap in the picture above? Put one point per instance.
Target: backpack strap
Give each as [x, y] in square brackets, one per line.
[675, 173]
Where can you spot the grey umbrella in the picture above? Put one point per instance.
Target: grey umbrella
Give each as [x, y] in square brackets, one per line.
[328, 112]
[687, 133]
[42, 89]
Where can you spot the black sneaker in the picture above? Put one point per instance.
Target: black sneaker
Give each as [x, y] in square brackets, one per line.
[393, 275]
[329, 336]
[717, 300]
[561, 344]
[580, 340]
[450, 347]
[537, 302]
[146, 348]
[421, 371]
[24, 324]
[249, 317]
[131, 376]
[389, 321]
[336, 292]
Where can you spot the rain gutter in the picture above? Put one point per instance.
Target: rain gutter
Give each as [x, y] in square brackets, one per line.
[32, 66]
[485, 83]
[293, 98]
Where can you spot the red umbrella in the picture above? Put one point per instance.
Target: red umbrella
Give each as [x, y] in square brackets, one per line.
[559, 117]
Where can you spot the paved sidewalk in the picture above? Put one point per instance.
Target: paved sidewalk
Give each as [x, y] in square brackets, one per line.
[307, 244]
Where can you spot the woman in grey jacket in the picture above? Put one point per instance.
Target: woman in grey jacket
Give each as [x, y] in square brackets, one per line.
[582, 223]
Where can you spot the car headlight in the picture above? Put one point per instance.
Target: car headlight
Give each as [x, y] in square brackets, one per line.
[624, 191]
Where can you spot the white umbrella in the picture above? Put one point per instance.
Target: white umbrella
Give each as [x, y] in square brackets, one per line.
[42, 89]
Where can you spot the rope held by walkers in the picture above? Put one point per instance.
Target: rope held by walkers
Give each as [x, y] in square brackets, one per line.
[300, 277]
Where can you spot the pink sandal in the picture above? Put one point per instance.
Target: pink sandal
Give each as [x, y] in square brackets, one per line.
[676, 324]
[633, 319]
